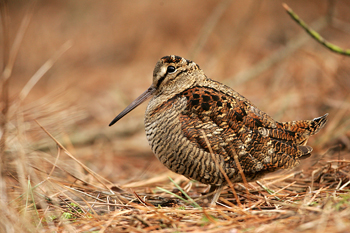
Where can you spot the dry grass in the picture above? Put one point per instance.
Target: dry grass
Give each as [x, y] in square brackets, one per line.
[71, 173]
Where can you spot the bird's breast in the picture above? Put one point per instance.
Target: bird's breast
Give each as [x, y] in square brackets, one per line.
[165, 134]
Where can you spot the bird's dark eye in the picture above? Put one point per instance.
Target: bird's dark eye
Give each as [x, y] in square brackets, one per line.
[171, 69]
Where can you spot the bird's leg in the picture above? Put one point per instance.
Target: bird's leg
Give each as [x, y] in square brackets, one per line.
[216, 195]
[188, 186]
[208, 188]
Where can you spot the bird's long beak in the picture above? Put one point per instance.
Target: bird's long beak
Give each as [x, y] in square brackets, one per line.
[139, 100]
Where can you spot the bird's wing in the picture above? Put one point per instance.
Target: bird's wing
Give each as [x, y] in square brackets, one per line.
[234, 127]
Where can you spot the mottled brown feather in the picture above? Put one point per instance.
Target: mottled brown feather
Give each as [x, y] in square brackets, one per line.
[229, 124]
[185, 104]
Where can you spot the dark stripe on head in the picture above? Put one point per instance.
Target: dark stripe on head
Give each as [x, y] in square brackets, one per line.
[162, 78]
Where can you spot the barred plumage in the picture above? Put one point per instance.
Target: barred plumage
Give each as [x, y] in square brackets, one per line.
[185, 104]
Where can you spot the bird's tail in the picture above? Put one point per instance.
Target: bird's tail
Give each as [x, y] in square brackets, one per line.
[318, 123]
[305, 128]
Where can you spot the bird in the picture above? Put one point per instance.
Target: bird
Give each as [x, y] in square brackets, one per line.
[201, 128]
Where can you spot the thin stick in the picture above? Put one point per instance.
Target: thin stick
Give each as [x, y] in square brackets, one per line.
[275, 57]
[4, 91]
[142, 201]
[95, 175]
[313, 198]
[208, 28]
[116, 213]
[238, 164]
[221, 170]
[5, 26]
[271, 192]
[9, 60]
[42, 70]
[54, 165]
[314, 34]
[276, 192]
[17, 42]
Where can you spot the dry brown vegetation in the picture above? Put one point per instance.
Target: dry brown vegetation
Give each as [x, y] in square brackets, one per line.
[79, 63]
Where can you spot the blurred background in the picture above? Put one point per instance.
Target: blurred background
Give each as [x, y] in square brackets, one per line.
[103, 54]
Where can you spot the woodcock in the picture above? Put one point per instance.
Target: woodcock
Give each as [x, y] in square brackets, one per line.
[185, 104]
